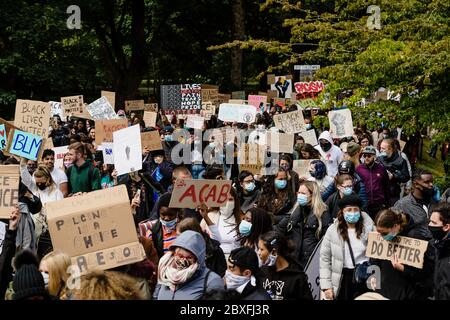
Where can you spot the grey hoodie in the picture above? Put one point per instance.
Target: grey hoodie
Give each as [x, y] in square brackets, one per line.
[194, 288]
[26, 238]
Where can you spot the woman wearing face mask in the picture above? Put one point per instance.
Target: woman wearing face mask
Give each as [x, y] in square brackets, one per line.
[248, 190]
[255, 223]
[182, 273]
[282, 276]
[277, 197]
[54, 268]
[399, 281]
[227, 220]
[343, 247]
[344, 187]
[299, 143]
[307, 223]
[293, 178]
[67, 161]
[318, 173]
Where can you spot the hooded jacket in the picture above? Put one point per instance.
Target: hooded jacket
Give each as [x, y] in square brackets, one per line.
[26, 237]
[203, 278]
[442, 269]
[399, 169]
[78, 178]
[287, 284]
[332, 157]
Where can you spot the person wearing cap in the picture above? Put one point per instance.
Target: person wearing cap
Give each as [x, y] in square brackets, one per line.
[343, 248]
[375, 179]
[182, 271]
[242, 277]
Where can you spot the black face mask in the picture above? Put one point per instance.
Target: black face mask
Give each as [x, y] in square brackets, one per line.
[427, 193]
[41, 186]
[325, 146]
[437, 232]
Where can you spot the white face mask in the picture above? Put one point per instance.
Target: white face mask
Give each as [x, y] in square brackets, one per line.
[234, 281]
[45, 276]
[271, 260]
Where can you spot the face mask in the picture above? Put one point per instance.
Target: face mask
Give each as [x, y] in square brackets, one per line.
[45, 276]
[427, 193]
[212, 145]
[302, 199]
[181, 264]
[271, 260]
[383, 154]
[169, 224]
[41, 186]
[250, 186]
[352, 217]
[390, 236]
[347, 191]
[280, 184]
[158, 160]
[437, 232]
[234, 281]
[68, 164]
[308, 126]
[325, 146]
[168, 138]
[245, 227]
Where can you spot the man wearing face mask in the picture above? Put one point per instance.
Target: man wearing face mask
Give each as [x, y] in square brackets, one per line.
[417, 203]
[396, 167]
[241, 277]
[330, 153]
[440, 229]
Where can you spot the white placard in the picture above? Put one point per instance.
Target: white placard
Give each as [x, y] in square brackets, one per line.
[108, 154]
[242, 113]
[127, 150]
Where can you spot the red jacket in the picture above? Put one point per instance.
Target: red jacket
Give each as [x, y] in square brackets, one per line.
[376, 181]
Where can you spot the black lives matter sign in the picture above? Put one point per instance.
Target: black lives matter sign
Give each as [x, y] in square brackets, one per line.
[181, 97]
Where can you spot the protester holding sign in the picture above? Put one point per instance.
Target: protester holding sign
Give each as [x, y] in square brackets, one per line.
[342, 253]
[399, 281]
[59, 176]
[82, 176]
[283, 278]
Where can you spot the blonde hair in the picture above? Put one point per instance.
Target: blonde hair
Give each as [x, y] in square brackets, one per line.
[57, 264]
[43, 172]
[108, 285]
[317, 205]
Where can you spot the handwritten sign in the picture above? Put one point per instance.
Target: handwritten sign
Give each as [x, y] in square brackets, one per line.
[153, 107]
[127, 150]
[309, 87]
[72, 105]
[96, 229]
[191, 193]
[290, 122]
[410, 251]
[56, 109]
[341, 124]
[302, 167]
[108, 153]
[104, 129]
[110, 96]
[151, 140]
[150, 118]
[208, 109]
[3, 138]
[33, 117]
[310, 137]
[280, 142]
[256, 101]
[9, 189]
[195, 122]
[223, 98]
[210, 95]
[101, 109]
[24, 144]
[134, 105]
[60, 152]
[242, 113]
[251, 158]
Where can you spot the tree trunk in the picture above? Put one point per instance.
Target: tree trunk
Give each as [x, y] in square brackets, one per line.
[236, 53]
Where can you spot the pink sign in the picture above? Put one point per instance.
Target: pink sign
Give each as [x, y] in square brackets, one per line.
[256, 100]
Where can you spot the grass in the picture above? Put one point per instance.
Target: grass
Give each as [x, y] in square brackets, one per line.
[435, 166]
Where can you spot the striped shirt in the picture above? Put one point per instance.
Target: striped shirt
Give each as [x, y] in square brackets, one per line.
[169, 235]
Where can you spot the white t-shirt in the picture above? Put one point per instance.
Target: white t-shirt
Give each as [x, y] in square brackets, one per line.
[358, 247]
[58, 177]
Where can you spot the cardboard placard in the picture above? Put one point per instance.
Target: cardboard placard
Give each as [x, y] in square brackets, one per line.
[151, 140]
[152, 107]
[257, 100]
[410, 251]
[108, 153]
[236, 101]
[280, 142]
[3, 138]
[104, 129]
[33, 117]
[242, 113]
[101, 109]
[73, 105]
[191, 193]
[24, 144]
[96, 229]
[110, 96]
[341, 123]
[150, 119]
[272, 94]
[251, 158]
[134, 105]
[290, 122]
[56, 109]
[238, 95]
[208, 109]
[302, 167]
[223, 98]
[60, 152]
[281, 84]
[48, 144]
[9, 189]
[127, 150]
[310, 137]
[195, 122]
[210, 95]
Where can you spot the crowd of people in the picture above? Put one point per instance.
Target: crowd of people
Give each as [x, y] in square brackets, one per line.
[257, 246]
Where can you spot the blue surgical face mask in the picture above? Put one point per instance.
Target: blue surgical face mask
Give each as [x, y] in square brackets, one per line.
[352, 217]
[169, 224]
[308, 126]
[390, 236]
[302, 199]
[245, 227]
[168, 138]
[383, 154]
[347, 191]
[271, 260]
[280, 184]
[249, 187]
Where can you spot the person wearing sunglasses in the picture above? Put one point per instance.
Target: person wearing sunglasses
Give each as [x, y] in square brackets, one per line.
[375, 179]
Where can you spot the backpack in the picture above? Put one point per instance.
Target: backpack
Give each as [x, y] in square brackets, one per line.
[90, 176]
